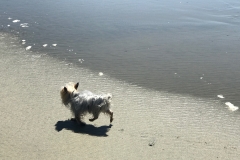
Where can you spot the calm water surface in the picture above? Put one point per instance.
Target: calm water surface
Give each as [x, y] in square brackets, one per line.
[186, 47]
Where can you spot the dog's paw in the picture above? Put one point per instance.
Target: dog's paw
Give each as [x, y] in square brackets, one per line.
[72, 119]
[91, 120]
[111, 119]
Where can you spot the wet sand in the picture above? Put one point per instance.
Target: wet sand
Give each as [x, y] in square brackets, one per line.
[147, 124]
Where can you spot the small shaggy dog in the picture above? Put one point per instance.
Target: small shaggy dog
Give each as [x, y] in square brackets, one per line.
[85, 102]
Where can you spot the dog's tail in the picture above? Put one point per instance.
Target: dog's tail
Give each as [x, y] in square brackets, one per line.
[106, 100]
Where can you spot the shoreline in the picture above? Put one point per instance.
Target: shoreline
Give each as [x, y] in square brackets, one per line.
[147, 124]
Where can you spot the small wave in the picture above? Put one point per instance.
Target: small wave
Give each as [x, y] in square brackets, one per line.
[24, 25]
[45, 45]
[28, 48]
[15, 21]
[231, 106]
[220, 96]
[54, 45]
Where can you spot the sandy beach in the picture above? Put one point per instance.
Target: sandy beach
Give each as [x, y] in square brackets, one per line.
[147, 124]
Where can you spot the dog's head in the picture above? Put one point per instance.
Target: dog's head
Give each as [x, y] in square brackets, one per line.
[109, 97]
[68, 91]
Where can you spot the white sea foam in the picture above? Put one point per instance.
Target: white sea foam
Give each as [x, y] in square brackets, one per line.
[80, 60]
[28, 47]
[24, 25]
[45, 45]
[54, 45]
[23, 40]
[9, 18]
[100, 74]
[231, 106]
[15, 21]
[8, 25]
[220, 96]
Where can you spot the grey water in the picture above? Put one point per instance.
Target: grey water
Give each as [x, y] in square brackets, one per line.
[185, 47]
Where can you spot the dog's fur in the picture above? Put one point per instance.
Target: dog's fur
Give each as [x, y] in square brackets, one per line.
[85, 102]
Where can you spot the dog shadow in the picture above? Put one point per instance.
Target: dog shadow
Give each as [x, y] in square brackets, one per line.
[83, 129]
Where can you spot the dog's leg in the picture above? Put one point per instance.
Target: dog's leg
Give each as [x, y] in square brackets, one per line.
[111, 115]
[95, 116]
[78, 119]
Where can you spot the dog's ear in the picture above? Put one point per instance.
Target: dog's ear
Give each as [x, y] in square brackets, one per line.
[65, 89]
[109, 96]
[76, 85]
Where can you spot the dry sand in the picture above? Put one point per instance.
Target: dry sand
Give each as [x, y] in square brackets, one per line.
[147, 125]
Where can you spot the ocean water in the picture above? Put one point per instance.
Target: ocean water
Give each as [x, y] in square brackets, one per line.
[186, 47]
